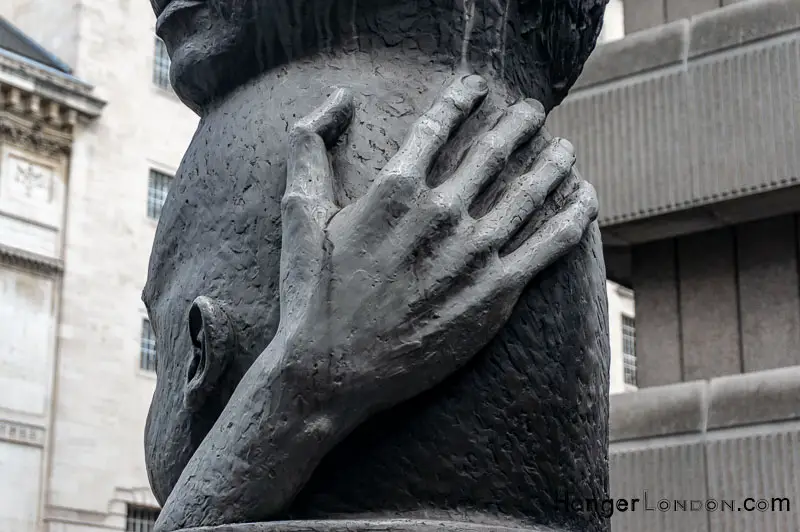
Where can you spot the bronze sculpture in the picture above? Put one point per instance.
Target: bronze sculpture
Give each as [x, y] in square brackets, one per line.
[415, 327]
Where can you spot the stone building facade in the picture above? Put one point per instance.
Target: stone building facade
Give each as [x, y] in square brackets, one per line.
[42, 108]
[77, 219]
[83, 397]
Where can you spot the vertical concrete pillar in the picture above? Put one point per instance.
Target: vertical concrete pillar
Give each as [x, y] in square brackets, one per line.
[678, 9]
[709, 305]
[658, 346]
[769, 293]
[643, 14]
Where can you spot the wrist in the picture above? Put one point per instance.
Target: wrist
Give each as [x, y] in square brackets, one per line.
[314, 377]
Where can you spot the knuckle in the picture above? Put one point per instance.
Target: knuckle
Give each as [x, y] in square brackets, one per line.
[571, 234]
[300, 129]
[590, 201]
[533, 197]
[489, 235]
[398, 185]
[586, 199]
[453, 101]
[563, 155]
[491, 150]
[401, 177]
[444, 207]
[293, 201]
[491, 141]
[428, 126]
[527, 112]
[300, 135]
[588, 193]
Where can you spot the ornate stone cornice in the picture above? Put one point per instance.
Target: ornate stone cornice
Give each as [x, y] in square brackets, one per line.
[30, 261]
[50, 84]
[34, 136]
[40, 106]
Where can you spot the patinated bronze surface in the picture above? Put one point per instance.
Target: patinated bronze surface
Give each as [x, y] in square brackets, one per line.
[376, 286]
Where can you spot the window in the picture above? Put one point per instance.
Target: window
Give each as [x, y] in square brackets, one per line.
[147, 347]
[140, 519]
[161, 65]
[157, 189]
[629, 350]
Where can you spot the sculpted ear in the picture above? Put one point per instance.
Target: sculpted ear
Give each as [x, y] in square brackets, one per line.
[213, 346]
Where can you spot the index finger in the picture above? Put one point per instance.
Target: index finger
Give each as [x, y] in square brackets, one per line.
[432, 130]
[330, 119]
[309, 172]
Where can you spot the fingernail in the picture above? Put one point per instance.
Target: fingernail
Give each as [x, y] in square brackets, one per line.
[476, 83]
[536, 104]
[567, 146]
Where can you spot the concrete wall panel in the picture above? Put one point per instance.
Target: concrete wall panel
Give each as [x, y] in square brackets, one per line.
[678, 9]
[769, 294]
[652, 472]
[761, 466]
[657, 314]
[708, 305]
[643, 14]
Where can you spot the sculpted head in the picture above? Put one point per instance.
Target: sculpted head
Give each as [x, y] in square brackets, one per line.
[539, 46]
[250, 68]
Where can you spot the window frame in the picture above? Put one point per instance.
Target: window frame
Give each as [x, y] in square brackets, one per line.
[148, 351]
[629, 366]
[140, 518]
[158, 185]
[161, 65]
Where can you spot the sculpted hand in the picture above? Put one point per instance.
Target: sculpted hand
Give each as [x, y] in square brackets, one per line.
[382, 299]
[386, 297]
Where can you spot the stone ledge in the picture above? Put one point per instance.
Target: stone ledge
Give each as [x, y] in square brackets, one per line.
[62, 88]
[30, 261]
[659, 411]
[15, 432]
[742, 23]
[677, 42]
[700, 406]
[388, 525]
[643, 51]
[752, 398]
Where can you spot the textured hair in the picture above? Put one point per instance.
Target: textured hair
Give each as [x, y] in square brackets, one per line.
[517, 34]
[568, 32]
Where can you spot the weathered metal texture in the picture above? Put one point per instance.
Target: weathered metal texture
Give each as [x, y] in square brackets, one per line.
[690, 113]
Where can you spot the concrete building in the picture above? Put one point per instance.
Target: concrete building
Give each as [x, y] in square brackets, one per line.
[88, 145]
[689, 129]
[621, 308]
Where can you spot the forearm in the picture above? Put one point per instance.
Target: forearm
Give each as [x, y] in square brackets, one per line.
[263, 448]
